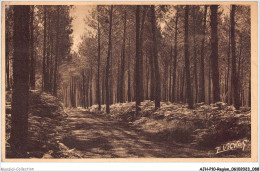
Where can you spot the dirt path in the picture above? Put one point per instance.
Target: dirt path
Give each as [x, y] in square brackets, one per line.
[96, 136]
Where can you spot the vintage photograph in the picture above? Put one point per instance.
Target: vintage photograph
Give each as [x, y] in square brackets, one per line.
[108, 81]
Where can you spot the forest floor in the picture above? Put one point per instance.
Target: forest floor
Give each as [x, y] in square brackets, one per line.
[172, 131]
[96, 136]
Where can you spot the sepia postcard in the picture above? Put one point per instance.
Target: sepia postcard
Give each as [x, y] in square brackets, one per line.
[122, 81]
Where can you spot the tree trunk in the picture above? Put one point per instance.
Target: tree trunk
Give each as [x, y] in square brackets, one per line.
[108, 60]
[72, 92]
[44, 49]
[129, 77]
[20, 94]
[152, 75]
[202, 80]
[90, 88]
[147, 78]
[209, 79]
[156, 65]
[119, 76]
[233, 50]
[32, 63]
[249, 90]
[83, 90]
[228, 92]
[47, 65]
[195, 55]
[170, 77]
[175, 57]
[103, 89]
[57, 53]
[141, 75]
[239, 78]
[51, 78]
[187, 60]
[98, 72]
[122, 78]
[214, 52]
[137, 61]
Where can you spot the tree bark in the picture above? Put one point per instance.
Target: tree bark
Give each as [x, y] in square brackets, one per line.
[152, 75]
[83, 90]
[187, 60]
[137, 61]
[156, 65]
[228, 91]
[195, 55]
[170, 77]
[20, 94]
[90, 87]
[98, 72]
[32, 62]
[233, 50]
[108, 60]
[214, 52]
[44, 49]
[202, 75]
[174, 75]
[122, 77]
[249, 90]
[141, 89]
[129, 77]
[57, 54]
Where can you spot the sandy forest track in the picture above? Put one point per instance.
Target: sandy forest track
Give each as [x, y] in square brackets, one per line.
[96, 136]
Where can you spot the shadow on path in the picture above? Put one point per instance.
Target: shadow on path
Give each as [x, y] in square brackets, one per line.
[96, 136]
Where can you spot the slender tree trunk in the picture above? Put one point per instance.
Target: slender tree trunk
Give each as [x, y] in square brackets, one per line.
[209, 85]
[129, 77]
[233, 50]
[137, 61]
[98, 72]
[182, 86]
[90, 88]
[249, 90]
[103, 90]
[83, 90]
[73, 101]
[111, 77]
[147, 78]
[32, 63]
[57, 53]
[122, 77]
[202, 75]
[44, 49]
[108, 60]
[165, 81]
[195, 55]
[239, 78]
[51, 75]
[20, 93]
[175, 57]
[141, 75]
[152, 75]
[187, 60]
[87, 90]
[228, 92]
[170, 77]
[47, 65]
[118, 77]
[214, 52]
[156, 65]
